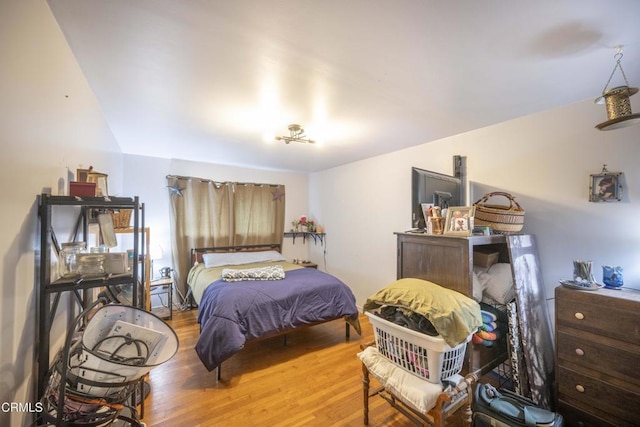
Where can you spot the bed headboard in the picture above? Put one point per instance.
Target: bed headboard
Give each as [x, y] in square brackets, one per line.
[196, 253]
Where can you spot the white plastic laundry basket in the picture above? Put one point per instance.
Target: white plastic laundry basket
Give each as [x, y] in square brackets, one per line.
[427, 357]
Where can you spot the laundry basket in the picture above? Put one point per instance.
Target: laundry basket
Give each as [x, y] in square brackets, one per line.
[427, 357]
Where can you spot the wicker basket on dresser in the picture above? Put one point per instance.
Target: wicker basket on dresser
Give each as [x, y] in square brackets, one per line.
[598, 357]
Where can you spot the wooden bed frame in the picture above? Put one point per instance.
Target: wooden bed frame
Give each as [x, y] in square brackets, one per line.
[196, 257]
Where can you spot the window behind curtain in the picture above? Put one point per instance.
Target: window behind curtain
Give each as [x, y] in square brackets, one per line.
[205, 214]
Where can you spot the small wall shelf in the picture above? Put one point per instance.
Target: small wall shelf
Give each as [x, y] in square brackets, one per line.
[313, 235]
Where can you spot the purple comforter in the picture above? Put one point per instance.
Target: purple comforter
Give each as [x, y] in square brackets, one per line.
[232, 313]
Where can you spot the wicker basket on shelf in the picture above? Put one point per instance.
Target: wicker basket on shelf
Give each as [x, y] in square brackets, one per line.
[121, 218]
[501, 218]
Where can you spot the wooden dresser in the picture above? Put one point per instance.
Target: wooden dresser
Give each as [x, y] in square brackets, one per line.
[446, 260]
[598, 357]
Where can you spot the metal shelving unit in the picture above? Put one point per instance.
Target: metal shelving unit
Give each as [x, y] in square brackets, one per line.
[49, 291]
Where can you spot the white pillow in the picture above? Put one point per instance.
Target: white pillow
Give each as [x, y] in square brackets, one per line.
[480, 280]
[238, 258]
[499, 285]
[478, 288]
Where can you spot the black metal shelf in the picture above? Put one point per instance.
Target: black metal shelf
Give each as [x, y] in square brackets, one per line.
[311, 234]
[49, 292]
[87, 282]
[94, 202]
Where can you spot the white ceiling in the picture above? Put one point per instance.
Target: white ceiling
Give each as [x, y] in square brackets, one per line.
[207, 80]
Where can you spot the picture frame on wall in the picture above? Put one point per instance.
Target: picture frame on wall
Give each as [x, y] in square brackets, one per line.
[605, 187]
[459, 220]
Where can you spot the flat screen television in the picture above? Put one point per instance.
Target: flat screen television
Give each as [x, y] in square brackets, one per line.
[432, 187]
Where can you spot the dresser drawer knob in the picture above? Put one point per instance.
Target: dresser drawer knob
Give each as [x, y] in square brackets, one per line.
[579, 352]
[579, 316]
[580, 388]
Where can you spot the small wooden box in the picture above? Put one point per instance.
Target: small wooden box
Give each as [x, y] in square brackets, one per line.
[485, 259]
[87, 189]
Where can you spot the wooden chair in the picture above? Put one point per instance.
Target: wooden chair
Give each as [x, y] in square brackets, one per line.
[449, 401]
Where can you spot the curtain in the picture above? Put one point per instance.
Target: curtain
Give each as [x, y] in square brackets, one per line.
[205, 213]
[200, 217]
[258, 214]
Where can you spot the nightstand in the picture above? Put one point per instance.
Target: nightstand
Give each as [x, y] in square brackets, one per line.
[309, 265]
[160, 288]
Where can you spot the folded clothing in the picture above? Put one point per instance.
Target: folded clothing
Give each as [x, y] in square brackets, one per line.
[492, 326]
[275, 272]
[408, 319]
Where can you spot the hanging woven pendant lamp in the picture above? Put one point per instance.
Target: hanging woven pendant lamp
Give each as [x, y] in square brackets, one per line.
[617, 101]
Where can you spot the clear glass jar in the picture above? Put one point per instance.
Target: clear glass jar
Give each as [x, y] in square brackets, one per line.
[91, 264]
[68, 262]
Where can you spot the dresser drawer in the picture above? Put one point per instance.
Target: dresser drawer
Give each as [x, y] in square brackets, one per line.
[620, 404]
[610, 357]
[599, 313]
[576, 417]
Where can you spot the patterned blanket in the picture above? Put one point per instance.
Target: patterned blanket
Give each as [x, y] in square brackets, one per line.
[275, 272]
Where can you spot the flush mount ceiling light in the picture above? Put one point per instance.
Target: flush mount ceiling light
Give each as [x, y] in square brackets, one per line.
[296, 134]
[617, 100]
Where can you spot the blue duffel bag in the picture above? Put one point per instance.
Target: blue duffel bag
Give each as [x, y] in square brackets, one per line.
[504, 408]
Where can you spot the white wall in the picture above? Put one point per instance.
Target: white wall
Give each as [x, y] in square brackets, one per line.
[49, 121]
[544, 160]
[146, 178]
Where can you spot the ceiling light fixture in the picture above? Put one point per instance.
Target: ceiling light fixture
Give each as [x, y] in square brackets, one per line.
[296, 134]
[617, 100]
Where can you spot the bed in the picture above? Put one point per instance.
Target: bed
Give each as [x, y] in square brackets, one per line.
[250, 292]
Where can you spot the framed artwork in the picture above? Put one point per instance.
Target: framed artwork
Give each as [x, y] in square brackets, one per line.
[101, 183]
[459, 220]
[107, 230]
[605, 187]
[426, 212]
[81, 174]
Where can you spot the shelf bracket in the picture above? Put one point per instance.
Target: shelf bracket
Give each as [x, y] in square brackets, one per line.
[315, 236]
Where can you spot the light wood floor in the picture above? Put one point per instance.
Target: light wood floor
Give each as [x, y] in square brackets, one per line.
[315, 380]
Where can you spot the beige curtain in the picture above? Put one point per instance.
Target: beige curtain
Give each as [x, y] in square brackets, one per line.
[258, 214]
[205, 213]
[200, 217]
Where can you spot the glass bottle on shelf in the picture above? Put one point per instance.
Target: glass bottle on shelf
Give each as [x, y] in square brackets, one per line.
[68, 263]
